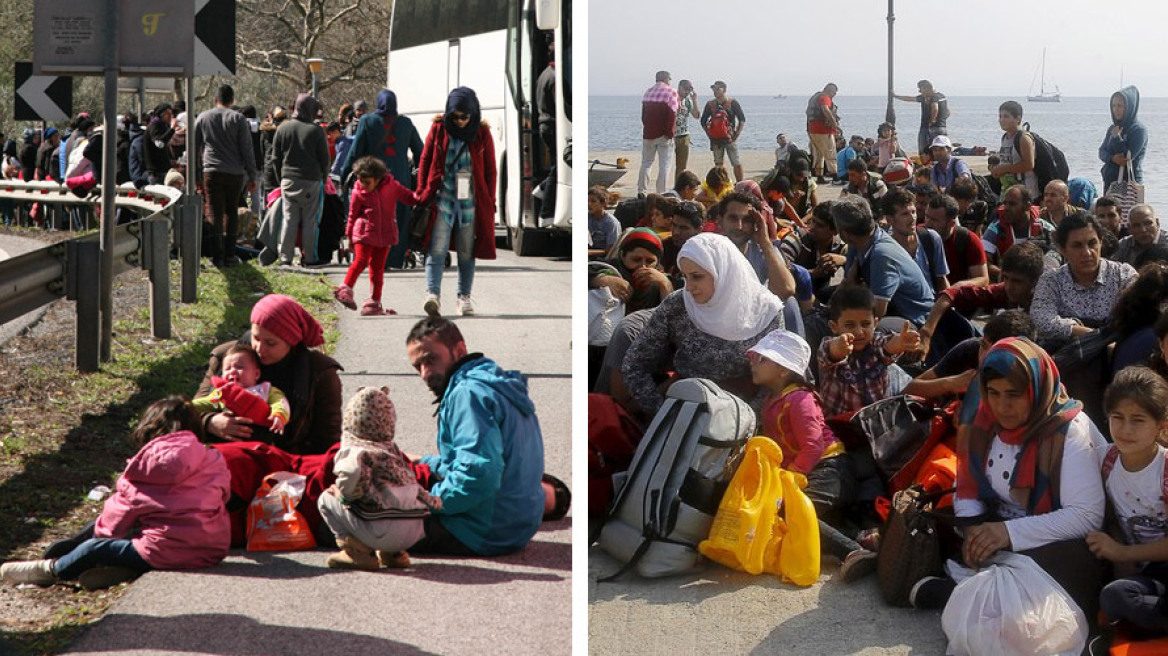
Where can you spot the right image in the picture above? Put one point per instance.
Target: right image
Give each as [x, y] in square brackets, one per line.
[878, 331]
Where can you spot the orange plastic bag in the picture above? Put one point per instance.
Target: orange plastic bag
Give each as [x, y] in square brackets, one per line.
[273, 523]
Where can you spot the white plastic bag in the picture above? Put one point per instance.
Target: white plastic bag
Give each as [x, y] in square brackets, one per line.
[605, 311]
[1012, 607]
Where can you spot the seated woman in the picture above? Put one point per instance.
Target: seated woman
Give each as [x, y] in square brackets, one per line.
[284, 335]
[1027, 476]
[634, 275]
[722, 311]
[1078, 296]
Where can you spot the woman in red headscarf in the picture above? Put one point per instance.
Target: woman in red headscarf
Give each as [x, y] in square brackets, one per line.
[283, 334]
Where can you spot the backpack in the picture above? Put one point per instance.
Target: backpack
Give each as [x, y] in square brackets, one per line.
[719, 125]
[1049, 162]
[629, 212]
[925, 241]
[612, 440]
[1109, 464]
[815, 110]
[666, 502]
[985, 192]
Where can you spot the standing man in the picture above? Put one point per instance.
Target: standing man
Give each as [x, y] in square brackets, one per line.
[723, 121]
[360, 108]
[545, 104]
[300, 157]
[687, 107]
[822, 126]
[489, 465]
[224, 165]
[934, 113]
[659, 121]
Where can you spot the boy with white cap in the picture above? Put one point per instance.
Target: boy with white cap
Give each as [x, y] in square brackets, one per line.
[793, 418]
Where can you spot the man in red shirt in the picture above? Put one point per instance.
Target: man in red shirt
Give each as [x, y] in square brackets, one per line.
[963, 250]
[822, 126]
[659, 121]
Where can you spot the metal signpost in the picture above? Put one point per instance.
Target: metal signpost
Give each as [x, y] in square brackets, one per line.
[136, 37]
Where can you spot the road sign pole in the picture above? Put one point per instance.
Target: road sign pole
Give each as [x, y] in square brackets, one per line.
[109, 142]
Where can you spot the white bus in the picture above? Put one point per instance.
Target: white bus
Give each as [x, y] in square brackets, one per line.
[498, 48]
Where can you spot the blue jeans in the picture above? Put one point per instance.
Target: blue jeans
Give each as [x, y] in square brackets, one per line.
[440, 245]
[99, 552]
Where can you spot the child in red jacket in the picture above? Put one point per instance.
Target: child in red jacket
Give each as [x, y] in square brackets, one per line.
[372, 230]
[168, 511]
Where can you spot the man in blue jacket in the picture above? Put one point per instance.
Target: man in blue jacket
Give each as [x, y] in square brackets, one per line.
[489, 465]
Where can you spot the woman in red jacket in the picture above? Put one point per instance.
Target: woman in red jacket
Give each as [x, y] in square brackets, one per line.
[458, 169]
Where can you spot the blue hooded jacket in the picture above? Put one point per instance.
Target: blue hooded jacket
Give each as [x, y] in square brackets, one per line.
[490, 459]
[393, 148]
[1133, 139]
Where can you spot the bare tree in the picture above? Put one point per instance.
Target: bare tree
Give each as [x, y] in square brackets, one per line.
[277, 38]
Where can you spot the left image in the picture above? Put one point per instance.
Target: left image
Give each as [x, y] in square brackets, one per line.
[286, 355]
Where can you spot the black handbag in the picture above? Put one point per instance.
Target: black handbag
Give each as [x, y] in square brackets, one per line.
[419, 225]
[910, 544]
[1085, 349]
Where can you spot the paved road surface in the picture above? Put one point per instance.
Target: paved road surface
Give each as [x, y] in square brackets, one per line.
[290, 603]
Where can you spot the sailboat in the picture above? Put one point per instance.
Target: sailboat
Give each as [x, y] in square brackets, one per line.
[1043, 94]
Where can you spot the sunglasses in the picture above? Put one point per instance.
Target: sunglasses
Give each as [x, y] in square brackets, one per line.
[459, 116]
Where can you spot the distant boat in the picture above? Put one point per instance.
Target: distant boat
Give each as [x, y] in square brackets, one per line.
[1043, 94]
[780, 97]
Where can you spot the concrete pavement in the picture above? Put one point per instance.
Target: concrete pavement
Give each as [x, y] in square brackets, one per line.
[290, 603]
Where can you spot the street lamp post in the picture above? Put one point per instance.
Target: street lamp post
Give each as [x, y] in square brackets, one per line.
[315, 64]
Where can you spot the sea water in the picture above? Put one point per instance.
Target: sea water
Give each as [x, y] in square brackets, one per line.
[1076, 126]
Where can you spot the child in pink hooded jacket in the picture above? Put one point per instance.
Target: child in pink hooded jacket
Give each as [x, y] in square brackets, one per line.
[372, 230]
[167, 513]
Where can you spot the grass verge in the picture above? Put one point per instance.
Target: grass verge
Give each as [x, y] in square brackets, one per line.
[63, 433]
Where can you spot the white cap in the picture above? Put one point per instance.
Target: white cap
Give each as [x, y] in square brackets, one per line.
[785, 349]
[941, 141]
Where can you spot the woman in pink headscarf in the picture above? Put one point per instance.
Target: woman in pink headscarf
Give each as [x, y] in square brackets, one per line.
[283, 334]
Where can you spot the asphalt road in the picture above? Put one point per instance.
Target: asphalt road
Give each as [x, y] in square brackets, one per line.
[291, 604]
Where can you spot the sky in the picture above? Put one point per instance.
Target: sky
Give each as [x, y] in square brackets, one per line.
[966, 47]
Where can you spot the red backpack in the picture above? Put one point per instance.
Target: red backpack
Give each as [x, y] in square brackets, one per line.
[613, 436]
[719, 125]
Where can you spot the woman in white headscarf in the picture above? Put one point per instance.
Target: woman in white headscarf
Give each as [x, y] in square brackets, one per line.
[722, 311]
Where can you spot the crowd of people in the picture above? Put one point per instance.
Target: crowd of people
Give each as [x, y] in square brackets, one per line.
[1036, 305]
[296, 182]
[271, 401]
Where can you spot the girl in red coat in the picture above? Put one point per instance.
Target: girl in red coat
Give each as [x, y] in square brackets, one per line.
[372, 229]
[168, 511]
[458, 169]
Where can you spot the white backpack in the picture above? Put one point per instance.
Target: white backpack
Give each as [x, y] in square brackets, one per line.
[666, 502]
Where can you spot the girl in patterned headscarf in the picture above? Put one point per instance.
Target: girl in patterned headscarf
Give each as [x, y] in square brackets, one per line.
[377, 503]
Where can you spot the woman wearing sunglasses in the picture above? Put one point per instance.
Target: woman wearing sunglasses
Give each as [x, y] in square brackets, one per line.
[458, 169]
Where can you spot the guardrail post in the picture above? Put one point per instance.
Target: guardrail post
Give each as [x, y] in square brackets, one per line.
[84, 274]
[156, 251]
[191, 223]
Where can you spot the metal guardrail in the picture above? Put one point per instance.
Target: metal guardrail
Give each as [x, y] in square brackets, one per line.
[70, 269]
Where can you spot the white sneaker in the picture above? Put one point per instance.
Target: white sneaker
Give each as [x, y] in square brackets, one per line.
[465, 307]
[38, 572]
[433, 305]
